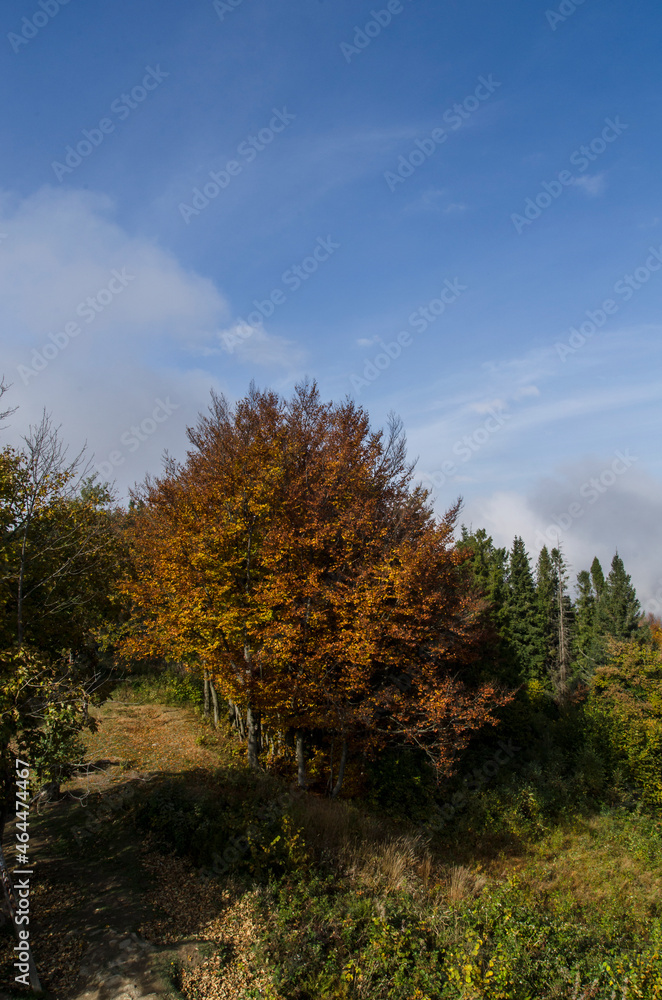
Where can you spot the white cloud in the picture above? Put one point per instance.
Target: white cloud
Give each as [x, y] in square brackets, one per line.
[63, 247]
[527, 390]
[592, 185]
[486, 406]
[144, 343]
[435, 200]
[252, 344]
[591, 509]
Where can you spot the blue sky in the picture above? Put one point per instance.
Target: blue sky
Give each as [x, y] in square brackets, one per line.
[392, 151]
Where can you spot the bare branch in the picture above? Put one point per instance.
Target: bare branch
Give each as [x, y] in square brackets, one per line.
[4, 387]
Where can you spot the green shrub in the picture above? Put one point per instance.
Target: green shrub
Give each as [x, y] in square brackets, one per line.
[253, 836]
[328, 936]
[170, 686]
[623, 717]
[402, 783]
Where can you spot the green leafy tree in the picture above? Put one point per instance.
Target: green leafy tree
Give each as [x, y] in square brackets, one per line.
[59, 557]
[59, 546]
[625, 711]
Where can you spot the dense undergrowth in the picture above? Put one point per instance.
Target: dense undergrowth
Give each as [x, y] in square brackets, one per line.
[164, 687]
[535, 874]
[348, 908]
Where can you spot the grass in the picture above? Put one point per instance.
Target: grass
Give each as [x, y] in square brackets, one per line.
[170, 688]
[342, 903]
[255, 889]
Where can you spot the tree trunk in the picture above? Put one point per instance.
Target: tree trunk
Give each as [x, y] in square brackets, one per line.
[563, 656]
[253, 726]
[341, 769]
[19, 595]
[206, 693]
[236, 719]
[301, 760]
[239, 722]
[10, 897]
[214, 701]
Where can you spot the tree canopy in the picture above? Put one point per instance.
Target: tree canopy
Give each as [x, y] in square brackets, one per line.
[293, 556]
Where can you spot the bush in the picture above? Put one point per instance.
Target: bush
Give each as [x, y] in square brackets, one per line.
[623, 717]
[56, 747]
[402, 783]
[330, 937]
[170, 686]
[251, 836]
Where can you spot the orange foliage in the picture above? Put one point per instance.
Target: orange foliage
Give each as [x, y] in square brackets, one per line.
[292, 556]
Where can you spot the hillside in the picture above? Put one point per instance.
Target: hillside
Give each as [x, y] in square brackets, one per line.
[323, 899]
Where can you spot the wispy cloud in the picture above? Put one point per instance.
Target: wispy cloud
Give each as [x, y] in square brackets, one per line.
[592, 185]
[252, 344]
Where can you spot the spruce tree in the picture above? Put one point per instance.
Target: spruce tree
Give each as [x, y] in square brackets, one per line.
[597, 577]
[583, 646]
[546, 598]
[619, 611]
[488, 567]
[521, 608]
[560, 673]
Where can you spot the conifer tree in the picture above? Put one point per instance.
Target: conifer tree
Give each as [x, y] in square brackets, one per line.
[546, 610]
[619, 611]
[487, 566]
[560, 673]
[584, 633]
[597, 577]
[605, 609]
[521, 607]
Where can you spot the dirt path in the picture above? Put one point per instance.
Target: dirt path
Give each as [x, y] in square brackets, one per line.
[92, 891]
[148, 738]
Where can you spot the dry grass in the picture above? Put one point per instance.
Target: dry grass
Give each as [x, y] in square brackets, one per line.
[596, 867]
[401, 864]
[370, 852]
[464, 884]
[151, 737]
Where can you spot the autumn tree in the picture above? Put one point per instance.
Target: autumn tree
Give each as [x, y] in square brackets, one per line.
[292, 555]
